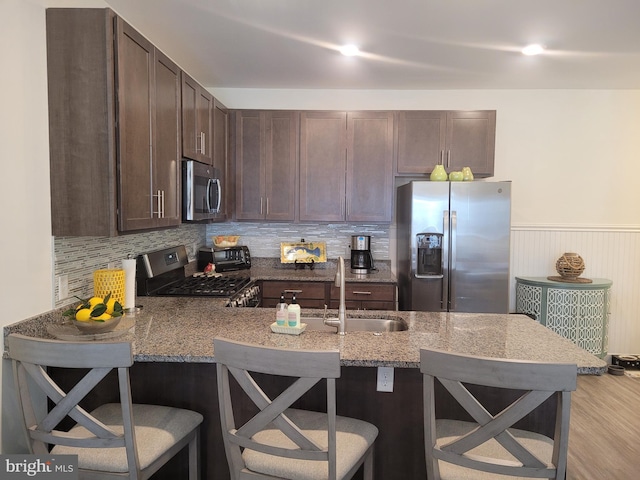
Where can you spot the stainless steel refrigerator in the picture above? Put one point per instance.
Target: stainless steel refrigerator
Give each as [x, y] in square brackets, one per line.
[453, 241]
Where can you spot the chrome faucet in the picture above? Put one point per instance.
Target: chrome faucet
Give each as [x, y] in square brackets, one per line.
[341, 321]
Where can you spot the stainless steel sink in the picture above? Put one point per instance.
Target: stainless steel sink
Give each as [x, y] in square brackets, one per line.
[359, 324]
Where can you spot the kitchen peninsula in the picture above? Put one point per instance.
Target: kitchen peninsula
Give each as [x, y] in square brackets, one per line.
[175, 364]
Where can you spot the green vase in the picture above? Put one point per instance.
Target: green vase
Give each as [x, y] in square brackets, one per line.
[439, 174]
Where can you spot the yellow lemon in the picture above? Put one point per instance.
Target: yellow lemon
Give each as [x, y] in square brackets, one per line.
[83, 315]
[104, 316]
[111, 304]
[93, 301]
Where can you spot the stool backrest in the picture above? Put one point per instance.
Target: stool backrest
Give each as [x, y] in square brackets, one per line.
[33, 356]
[307, 367]
[536, 382]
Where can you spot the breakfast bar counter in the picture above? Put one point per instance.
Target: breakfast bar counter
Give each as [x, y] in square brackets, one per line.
[175, 329]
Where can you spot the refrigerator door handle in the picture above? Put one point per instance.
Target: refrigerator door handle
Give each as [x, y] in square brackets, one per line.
[452, 266]
[445, 260]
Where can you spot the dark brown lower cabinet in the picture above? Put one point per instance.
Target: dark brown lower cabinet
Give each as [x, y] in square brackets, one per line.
[308, 294]
[399, 450]
[358, 295]
[365, 296]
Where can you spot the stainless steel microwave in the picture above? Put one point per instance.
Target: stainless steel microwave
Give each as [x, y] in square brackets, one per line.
[201, 192]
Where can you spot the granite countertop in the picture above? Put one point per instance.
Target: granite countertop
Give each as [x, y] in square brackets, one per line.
[173, 329]
[268, 269]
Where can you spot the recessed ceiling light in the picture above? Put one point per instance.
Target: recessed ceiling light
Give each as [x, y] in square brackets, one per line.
[533, 49]
[349, 50]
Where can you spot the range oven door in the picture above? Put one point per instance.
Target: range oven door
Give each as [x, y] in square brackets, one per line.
[201, 192]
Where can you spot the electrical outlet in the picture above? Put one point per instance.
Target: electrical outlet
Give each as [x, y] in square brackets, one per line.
[63, 287]
[385, 379]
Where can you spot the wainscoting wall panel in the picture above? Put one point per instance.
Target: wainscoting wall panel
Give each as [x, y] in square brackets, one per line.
[608, 252]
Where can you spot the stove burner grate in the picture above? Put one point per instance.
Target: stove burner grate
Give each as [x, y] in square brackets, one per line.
[223, 286]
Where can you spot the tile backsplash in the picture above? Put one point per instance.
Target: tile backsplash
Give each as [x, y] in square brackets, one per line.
[263, 239]
[78, 257]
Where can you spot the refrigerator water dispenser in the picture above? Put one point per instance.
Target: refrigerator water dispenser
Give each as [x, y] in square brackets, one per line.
[429, 254]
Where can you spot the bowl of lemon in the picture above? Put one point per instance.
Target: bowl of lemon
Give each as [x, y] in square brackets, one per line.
[96, 314]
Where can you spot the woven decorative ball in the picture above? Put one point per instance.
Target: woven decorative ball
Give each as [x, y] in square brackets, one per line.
[570, 265]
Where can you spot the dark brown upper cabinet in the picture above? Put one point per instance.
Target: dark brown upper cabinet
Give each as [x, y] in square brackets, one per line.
[114, 126]
[197, 110]
[369, 166]
[148, 108]
[455, 139]
[266, 152]
[323, 163]
[346, 166]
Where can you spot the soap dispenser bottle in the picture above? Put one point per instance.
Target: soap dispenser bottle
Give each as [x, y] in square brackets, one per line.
[293, 313]
[281, 312]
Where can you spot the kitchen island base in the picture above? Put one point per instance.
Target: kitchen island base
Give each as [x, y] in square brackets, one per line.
[399, 451]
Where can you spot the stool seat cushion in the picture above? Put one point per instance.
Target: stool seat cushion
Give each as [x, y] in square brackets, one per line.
[157, 429]
[449, 430]
[353, 438]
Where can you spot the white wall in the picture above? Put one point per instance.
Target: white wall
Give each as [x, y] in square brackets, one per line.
[572, 155]
[26, 241]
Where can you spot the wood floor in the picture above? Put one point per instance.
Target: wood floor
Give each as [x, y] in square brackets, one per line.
[604, 438]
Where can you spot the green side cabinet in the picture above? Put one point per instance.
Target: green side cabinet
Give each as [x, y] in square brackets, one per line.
[577, 311]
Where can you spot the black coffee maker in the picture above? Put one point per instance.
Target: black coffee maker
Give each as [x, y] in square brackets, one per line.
[361, 258]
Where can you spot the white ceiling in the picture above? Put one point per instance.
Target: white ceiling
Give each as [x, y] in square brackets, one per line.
[407, 44]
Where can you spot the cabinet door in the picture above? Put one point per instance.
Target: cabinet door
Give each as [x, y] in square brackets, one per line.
[82, 140]
[280, 164]
[189, 116]
[135, 66]
[369, 166]
[249, 171]
[197, 108]
[471, 141]
[166, 140]
[322, 166]
[203, 134]
[420, 141]
[220, 150]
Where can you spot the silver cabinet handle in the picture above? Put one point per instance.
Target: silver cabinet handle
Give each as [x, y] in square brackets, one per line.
[361, 293]
[158, 197]
[202, 137]
[448, 159]
[267, 206]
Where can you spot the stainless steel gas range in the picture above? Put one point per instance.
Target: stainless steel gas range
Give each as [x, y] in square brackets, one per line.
[162, 273]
